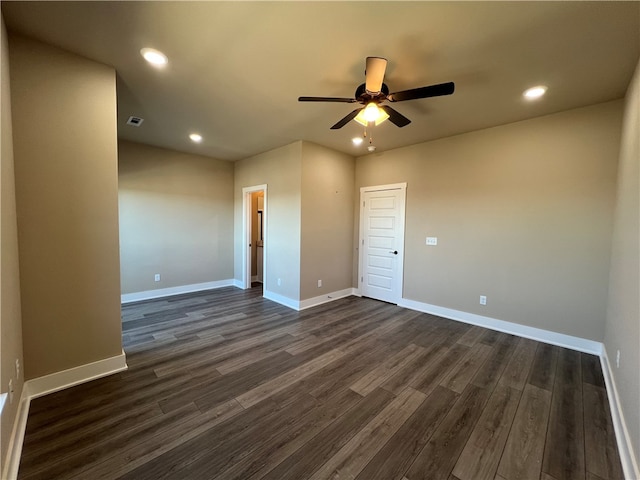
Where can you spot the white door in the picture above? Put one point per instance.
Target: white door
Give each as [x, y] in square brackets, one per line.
[382, 242]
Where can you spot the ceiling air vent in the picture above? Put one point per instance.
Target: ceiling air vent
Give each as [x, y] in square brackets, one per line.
[135, 121]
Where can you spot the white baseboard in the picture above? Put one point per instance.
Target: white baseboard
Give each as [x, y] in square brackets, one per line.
[281, 299]
[12, 460]
[309, 302]
[165, 292]
[40, 386]
[625, 447]
[329, 297]
[546, 336]
[237, 283]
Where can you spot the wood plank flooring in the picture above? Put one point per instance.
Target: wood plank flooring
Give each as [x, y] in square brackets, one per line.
[226, 385]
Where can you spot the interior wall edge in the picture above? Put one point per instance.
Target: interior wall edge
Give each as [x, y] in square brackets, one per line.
[67, 206]
[11, 341]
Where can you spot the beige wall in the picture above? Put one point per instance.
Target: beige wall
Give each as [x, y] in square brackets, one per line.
[65, 149]
[327, 220]
[280, 170]
[523, 215]
[176, 218]
[10, 316]
[623, 313]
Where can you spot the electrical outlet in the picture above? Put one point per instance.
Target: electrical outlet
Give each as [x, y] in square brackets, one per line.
[11, 390]
[17, 368]
[156, 278]
[432, 240]
[319, 283]
[483, 300]
[618, 359]
[279, 282]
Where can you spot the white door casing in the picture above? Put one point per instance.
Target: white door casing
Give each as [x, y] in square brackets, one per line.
[381, 242]
[246, 234]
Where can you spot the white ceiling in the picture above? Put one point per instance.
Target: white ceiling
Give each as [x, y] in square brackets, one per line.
[236, 69]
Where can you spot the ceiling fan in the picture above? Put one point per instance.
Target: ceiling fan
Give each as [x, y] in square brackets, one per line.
[373, 92]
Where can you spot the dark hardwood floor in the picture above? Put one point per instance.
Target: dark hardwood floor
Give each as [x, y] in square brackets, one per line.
[225, 384]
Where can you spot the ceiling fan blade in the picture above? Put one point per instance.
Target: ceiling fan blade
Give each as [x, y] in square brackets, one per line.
[395, 117]
[346, 119]
[327, 99]
[374, 73]
[422, 92]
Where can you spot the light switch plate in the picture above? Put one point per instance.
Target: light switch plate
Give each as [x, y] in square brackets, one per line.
[432, 240]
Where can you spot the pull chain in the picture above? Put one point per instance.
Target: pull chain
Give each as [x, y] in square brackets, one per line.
[371, 146]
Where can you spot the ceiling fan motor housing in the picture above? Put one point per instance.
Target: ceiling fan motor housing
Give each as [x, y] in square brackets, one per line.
[365, 97]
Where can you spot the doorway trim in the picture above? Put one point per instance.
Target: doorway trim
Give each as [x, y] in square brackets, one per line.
[246, 235]
[400, 272]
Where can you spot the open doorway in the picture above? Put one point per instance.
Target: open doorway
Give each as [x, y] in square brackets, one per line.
[254, 235]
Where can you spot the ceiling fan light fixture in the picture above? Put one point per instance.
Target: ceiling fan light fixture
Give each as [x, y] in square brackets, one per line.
[382, 116]
[357, 141]
[371, 113]
[360, 119]
[535, 92]
[195, 137]
[154, 57]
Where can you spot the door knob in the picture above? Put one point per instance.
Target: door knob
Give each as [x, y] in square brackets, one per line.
[395, 252]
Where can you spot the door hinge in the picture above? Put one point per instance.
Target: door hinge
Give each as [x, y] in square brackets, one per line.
[361, 279]
[363, 204]
[363, 242]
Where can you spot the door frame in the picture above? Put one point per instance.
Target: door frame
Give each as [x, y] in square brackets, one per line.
[246, 235]
[399, 282]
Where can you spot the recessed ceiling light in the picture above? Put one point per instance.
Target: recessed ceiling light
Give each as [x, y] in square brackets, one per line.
[357, 140]
[535, 92]
[195, 137]
[154, 57]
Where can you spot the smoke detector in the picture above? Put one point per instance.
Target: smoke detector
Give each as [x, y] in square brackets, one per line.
[135, 121]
